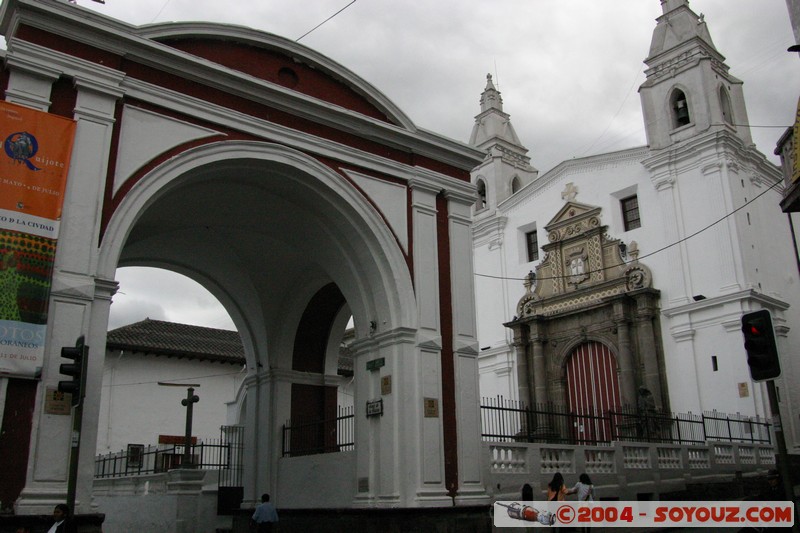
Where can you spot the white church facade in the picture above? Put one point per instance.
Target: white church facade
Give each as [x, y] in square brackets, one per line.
[632, 269]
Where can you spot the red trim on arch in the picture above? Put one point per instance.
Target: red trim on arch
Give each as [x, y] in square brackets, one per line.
[449, 422]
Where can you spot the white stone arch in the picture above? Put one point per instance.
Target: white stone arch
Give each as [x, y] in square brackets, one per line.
[387, 297]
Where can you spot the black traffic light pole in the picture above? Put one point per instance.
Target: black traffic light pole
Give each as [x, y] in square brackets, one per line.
[77, 388]
[783, 455]
[764, 362]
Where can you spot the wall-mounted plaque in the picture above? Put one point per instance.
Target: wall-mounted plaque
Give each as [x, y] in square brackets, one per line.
[375, 407]
[386, 385]
[744, 390]
[57, 403]
[431, 407]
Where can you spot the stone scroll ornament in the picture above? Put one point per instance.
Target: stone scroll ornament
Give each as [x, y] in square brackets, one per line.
[637, 277]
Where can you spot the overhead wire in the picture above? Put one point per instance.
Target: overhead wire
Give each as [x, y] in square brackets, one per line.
[176, 379]
[619, 110]
[324, 21]
[679, 241]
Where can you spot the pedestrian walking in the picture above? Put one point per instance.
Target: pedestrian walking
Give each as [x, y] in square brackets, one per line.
[265, 515]
[557, 490]
[583, 488]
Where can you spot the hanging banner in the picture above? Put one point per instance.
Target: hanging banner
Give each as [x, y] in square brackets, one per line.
[33, 175]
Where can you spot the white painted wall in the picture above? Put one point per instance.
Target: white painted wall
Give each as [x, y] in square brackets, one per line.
[134, 409]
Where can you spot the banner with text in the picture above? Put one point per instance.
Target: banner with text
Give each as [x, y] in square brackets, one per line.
[33, 174]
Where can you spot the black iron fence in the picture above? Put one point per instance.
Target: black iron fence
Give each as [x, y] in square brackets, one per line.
[510, 421]
[224, 454]
[501, 421]
[308, 437]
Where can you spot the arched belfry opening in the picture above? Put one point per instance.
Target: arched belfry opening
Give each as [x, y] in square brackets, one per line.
[679, 107]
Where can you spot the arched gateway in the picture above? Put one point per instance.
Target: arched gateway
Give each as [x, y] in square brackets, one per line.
[298, 195]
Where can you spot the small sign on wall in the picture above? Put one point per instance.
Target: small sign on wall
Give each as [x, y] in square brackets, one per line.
[386, 385]
[744, 390]
[431, 407]
[57, 403]
[374, 408]
[376, 364]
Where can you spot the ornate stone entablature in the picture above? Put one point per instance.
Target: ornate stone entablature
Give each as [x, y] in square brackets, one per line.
[683, 61]
[582, 265]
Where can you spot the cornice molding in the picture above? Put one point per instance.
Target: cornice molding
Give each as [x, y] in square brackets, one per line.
[137, 44]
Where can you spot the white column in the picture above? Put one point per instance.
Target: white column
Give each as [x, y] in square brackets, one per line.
[673, 231]
[387, 444]
[79, 305]
[428, 454]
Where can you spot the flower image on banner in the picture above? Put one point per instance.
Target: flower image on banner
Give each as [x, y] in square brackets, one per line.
[34, 163]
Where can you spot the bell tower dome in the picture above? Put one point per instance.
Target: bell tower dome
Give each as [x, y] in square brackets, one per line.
[688, 90]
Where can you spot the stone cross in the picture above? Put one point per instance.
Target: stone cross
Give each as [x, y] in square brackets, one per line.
[569, 193]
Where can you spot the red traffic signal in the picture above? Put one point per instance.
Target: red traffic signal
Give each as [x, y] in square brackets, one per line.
[762, 349]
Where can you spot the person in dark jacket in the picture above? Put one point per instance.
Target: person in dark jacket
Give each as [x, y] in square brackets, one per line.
[62, 521]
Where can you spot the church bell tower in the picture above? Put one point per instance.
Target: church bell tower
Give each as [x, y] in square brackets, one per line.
[688, 90]
[506, 168]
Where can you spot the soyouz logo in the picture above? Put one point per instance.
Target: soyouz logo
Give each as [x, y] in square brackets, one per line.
[644, 514]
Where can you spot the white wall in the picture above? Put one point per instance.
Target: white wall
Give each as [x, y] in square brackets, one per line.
[134, 409]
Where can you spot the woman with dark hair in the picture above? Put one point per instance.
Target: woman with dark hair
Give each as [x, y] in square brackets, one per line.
[583, 488]
[556, 489]
[62, 523]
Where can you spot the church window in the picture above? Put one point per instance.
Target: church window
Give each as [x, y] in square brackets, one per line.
[630, 212]
[532, 242]
[680, 109]
[515, 185]
[725, 103]
[481, 203]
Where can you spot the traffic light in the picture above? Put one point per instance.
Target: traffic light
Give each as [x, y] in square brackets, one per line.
[77, 370]
[759, 341]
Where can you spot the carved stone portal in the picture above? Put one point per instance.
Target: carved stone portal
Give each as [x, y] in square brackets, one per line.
[585, 291]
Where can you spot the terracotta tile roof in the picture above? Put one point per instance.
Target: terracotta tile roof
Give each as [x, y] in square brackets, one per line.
[178, 340]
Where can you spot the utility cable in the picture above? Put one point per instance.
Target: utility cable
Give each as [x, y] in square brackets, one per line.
[175, 379]
[324, 21]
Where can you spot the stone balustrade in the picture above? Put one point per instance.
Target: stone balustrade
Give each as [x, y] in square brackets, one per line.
[621, 470]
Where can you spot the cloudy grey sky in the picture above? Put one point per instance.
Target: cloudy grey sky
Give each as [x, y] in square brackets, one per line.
[568, 71]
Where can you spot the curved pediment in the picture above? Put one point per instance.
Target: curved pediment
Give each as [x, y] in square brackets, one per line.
[278, 60]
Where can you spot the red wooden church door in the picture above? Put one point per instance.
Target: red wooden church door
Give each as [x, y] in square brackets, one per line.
[592, 389]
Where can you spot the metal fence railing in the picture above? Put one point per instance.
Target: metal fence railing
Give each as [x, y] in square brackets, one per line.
[301, 437]
[511, 421]
[501, 421]
[224, 454]
[231, 475]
